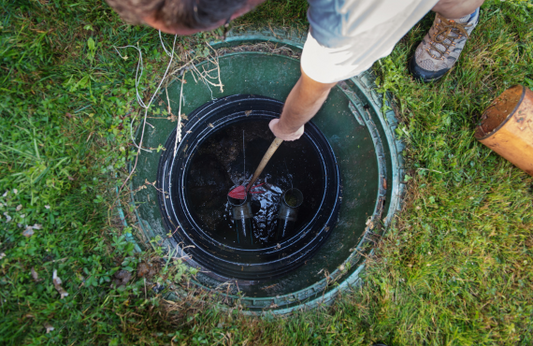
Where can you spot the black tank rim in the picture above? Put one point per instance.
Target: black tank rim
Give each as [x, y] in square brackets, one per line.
[203, 122]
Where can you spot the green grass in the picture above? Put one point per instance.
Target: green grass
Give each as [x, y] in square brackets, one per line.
[453, 270]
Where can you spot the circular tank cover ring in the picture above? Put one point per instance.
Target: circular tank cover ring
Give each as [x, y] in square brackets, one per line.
[360, 134]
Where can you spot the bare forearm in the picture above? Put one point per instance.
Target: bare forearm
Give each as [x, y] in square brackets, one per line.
[303, 102]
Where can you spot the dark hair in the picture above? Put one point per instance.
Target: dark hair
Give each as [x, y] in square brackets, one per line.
[193, 14]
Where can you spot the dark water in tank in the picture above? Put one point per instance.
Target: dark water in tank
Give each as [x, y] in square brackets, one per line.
[229, 158]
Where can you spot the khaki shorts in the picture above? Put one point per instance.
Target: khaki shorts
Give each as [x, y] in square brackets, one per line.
[374, 37]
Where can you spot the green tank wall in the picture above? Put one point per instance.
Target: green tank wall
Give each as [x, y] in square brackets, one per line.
[361, 135]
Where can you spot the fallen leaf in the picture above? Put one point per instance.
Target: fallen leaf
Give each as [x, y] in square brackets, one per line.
[142, 269]
[8, 218]
[121, 277]
[35, 276]
[147, 270]
[68, 115]
[19, 207]
[28, 232]
[57, 284]
[48, 327]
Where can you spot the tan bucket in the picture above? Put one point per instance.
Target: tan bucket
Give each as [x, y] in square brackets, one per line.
[507, 127]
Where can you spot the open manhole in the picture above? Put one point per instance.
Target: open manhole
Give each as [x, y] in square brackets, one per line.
[347, 168]
[193, 184]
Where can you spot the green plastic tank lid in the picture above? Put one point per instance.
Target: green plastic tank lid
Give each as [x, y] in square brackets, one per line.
[362, 138]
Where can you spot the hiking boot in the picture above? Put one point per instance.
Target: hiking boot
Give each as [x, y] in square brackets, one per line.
[441, 46]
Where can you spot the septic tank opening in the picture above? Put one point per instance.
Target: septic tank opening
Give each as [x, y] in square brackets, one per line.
[361, 137]
[262, 237]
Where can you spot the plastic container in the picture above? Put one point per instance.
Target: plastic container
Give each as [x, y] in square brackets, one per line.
[507, 127]
[241, 213]
[289, 203]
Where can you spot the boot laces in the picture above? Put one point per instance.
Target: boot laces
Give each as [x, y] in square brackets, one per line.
[447, 31]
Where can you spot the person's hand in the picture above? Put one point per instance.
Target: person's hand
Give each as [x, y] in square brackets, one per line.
[280, 132]
[303, 102]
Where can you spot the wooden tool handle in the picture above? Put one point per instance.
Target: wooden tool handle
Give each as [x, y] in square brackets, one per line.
[271, 150]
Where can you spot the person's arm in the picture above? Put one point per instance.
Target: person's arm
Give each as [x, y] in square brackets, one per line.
[303, 102]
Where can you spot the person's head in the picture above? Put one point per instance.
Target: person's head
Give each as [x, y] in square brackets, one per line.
[183, 17]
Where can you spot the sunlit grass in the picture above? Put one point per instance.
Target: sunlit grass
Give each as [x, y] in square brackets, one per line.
[453, 270]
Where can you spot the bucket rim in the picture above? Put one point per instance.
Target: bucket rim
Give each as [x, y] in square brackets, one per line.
[507, 118]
